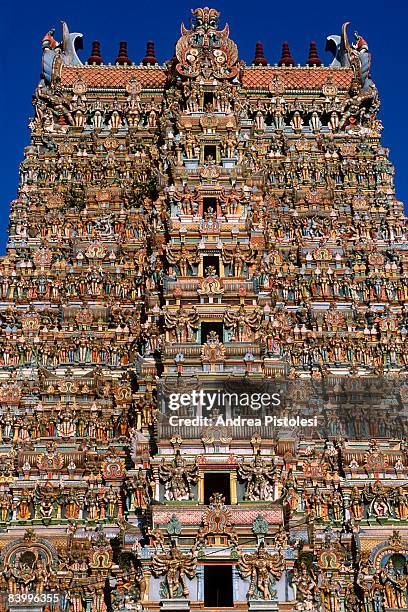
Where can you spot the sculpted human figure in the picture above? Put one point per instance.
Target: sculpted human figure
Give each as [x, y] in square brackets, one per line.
[259, 476]
[329, 593]
[401, 503]
[304, 583]
[178, 476]
[263, 569]
[242, 322]
[175, 566]
[395, 586]
[183, 257]
[183, 323]
[237, 258]
[138, 491]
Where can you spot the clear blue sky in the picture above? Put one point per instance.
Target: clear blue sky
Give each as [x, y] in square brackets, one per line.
[23, 23]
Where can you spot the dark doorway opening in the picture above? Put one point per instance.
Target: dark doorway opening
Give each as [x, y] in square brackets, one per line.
[213, 261]
[218, 586]
[217, 482]
[209, 326]
[208, 98]
[210, 152]
[209, 203]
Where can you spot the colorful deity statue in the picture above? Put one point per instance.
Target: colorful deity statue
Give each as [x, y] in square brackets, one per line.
[178, 476]
[263, 569]
[204, 227]
[259, 476]
[176, 566]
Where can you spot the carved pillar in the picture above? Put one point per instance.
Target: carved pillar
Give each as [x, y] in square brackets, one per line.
[146, 574]
[233, 487]
[156, 483]
[200, 488]
[301, 501]
[81, 507]
[235, 583]
[88, 603]
[200, 582]
[16, 500]
[346, 497]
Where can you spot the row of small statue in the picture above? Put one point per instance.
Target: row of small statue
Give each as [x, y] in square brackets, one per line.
[258, 216]
[95, 505]
[280, 172]
[95, 170]
[52, 104]
[313, 283]
[313, 590]
[65, 423]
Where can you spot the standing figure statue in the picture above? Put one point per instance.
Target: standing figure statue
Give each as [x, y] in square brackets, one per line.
[329, 593]
[237, 258]
[178, 477]
[183, 258]
[183, 324]
[395, 586]
[263, 569]
[259, 475]
[175, 565]
[304, 584]
[242, 322]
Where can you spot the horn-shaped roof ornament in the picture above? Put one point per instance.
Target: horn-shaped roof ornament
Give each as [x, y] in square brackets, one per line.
[55, 53]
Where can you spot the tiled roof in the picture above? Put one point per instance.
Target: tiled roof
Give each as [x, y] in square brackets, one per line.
[252, 77]
[296, 78]
[113, 76]
[194, 515]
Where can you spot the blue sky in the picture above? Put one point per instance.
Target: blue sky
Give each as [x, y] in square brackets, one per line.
[23, 24]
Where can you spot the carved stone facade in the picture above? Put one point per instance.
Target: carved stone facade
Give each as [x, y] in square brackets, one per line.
[203, 221]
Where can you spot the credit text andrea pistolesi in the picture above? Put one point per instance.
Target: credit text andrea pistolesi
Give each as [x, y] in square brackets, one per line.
[266, 421]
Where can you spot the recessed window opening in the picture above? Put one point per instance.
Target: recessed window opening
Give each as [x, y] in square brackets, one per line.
[209, 326]
[208, 98]
[218, 586]
[209, 203]
[217, 482]
[211, 262]
[210, 152]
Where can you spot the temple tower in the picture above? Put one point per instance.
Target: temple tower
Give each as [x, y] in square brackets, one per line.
[186, 234]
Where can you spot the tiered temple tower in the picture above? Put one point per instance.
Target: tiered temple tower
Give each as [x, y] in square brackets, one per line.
[204, 224]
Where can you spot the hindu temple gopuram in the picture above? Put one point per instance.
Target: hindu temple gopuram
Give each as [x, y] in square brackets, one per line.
[181, 229]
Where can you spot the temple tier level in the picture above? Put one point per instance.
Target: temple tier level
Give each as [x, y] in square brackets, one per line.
[186, 229]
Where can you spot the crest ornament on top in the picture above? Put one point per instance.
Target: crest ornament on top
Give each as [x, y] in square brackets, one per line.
[205, 50]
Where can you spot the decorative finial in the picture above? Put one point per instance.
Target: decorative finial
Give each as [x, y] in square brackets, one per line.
[259, 59]
[313, 59]
[123, 58]
[286, 59]
[95, 57]
[48, 41]
[150, 57]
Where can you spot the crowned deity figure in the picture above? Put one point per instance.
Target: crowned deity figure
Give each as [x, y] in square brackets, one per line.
[182, 323]
[395, 586]
[259, 476]
[178, 476]
[304, 582]
[242, 322]
[263, 569]
[175, 566]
